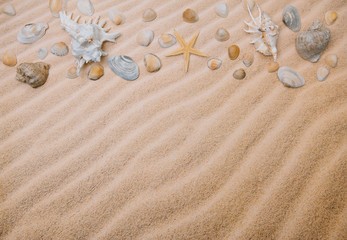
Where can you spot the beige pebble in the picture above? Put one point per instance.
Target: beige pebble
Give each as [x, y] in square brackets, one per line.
[273, 67]
[96, 71]
[71, 72]
[55, 6]
[322, 73]
[152, 62]
[9, 58]
[222, 34]
[190, 16]
[248, 59]
[331, 60]
[149, 15]
[234, 52]
[330, 17]
[239, 74]
[9, 10]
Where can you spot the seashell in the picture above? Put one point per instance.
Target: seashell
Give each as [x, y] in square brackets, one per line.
[60, 49]
[34, 74]
[331, 60]
[32, 32]
[124, 67]
[322, 73]
[311, 43]
[273, 67]
[290, 78]
[96, 71]
[149, 15]
[291, 18]
[239, 74]
[9, 10]
[85, 7]
[55, 6]
[330, 17]
[145, 37]
[167, 40]
[222, 35]
[9, 58]
[72, 72]
[42, 53]
[248, 59]
[222, 10]
[250, 3]
[190, 16]
[116, 17]
[152, 62]
[234, 52]
[214, 63]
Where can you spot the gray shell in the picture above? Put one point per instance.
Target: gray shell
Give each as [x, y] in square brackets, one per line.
[34, 74]
[311, 43]
[32, 32]
[291, 18]
[290, 78]
[124, 67]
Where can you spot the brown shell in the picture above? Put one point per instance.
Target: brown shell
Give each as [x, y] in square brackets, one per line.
[34, 74]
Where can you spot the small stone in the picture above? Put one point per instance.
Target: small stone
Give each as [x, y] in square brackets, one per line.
[214, 63]
[248, 59]
[239, 74]
[331, 60]
[322, 73]
[9, 10]
[273, 67]
[72, 72]
[9, 58]
[96, 71]
[330, 17]
[152, 62]
[167, 40]
[222, 10]
[149, 15]
[145, 37]
[190, 16]
[222, 34]
[234, 52]
[42, 53]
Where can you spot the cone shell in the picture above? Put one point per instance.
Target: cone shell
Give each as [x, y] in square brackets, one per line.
[190, 16]
[330, 17]
[273, 67]
[32, 32]
[124, 67]
[116, 17]
[9, 10]
[149, 15]
[214, 63]
[331, 60]
[42, 53]
[9, 58]
[85, 7]
[222, 34]
[290, 78]
[222, 10]
[291, 18]
[34, 74]
[60, 49]
[167, 40]
[322, 73]
[55, 6]
[234, 52]
[96, 71]
[152, 62]
[239, 74]
[248, 59]
[145, 37]
[72, 72]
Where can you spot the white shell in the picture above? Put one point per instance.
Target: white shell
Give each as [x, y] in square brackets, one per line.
[222, 10]
[149, 15]
[290, 78]
[291, 18]
[222, 35]
[9, 10]
[60, 49]
[42, 53]
[152, 62]
[166, 40]
[32, 32]
[248, 59]
[322, 73]
[145, 37]
[116, 17]
[214, 63]
[85, 7]
[124, 67]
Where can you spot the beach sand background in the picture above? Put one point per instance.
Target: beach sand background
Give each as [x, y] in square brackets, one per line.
[174, 155]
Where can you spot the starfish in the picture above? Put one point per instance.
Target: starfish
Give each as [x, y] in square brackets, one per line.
[186, 49]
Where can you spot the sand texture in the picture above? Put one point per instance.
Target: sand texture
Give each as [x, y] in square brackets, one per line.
[174, 155]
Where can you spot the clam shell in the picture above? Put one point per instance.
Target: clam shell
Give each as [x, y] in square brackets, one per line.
[116, 17]
[239, 74]
[331, 60]
[9, 58]
[55, 6]
[32, 32]
[60, 49]
[311, 43]
[322, 73]
[190, 16]
[149, 15]
[214, 63]
[9, 10]
[290, 78]
[96, 71]
[291, 18]
[248, 59]
[222, 10]
[152, 62]
[167, 40]
[234, 52]
[42, 53]
[85, 7]
[273, 67]
[34, 74]
[145, 37]
[330, 17]
[124, 67]
[222, 34]
[72, 72]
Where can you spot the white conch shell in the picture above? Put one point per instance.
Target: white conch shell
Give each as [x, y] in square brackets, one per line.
[265, 33]
[87, 39]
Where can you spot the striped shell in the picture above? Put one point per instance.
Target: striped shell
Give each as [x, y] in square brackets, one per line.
[124, 67]
[32, 32]
[290, 78]
[291, 18]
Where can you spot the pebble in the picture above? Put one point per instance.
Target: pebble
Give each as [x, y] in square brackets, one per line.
[152, 63]
[234, 52]
[273, 67]
[322, 73]
[331, 60]
[239, 74]
[96, 71]
[9, 58]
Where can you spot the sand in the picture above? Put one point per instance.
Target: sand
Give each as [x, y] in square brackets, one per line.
[174, 155]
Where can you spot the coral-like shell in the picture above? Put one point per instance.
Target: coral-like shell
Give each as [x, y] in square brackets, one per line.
[9, 10]
[72, 72]
[290, 78]
[322, 73]
[239, 74]
[9, 58]
[330, 17]
[116, 17]
[331, 60]
[34, 74]
[248, 59]
[96, 71]
[214, 63]
[233, 52]
[149, 15]
[291, 18]
[124, 67]
[55, 6]
[85, 7]
[32, 32]
[222, 34]
[222, 10]
[190, 16]
[60, 49]
[311, 43]
[42, 53]
[273, 67]
[152, 62]
[145, 37]
[167, 40]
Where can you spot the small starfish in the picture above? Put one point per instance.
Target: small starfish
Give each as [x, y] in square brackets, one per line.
[186, 49]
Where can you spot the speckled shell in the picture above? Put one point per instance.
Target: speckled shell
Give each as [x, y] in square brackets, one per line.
[290, 78]
[124, 67]
[34, 74]
[32, 32]
[291, 18]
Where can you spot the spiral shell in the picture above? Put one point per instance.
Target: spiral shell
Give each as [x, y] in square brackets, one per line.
[34, 74]
[291, 18]
[124, 67]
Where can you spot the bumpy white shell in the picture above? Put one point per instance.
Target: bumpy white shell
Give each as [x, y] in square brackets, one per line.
[85, 7]
[124, 67]
[32, 32]
[291, 18]
[290, 78]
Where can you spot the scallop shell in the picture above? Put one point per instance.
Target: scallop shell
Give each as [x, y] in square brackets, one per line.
[9, 58]
[222, 10]
[42, 53]
[124, 67]
[34, 74]
[60, 49]
[311, 43]
[72, 72]
[248, 59]
[234, 52]
[145, 37]
[96, 71]
[32, 32]
[214, 63]
[239, 74]
[85, 7]
[330, 17]
[152, 62]
[331, 60]
[116, 17]
[149, 15]
[190, 16]
[9, 10]
[55, 6]
[290, 78]
[322, 73]
[167, 40]
[222, 34]
[291, 18]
